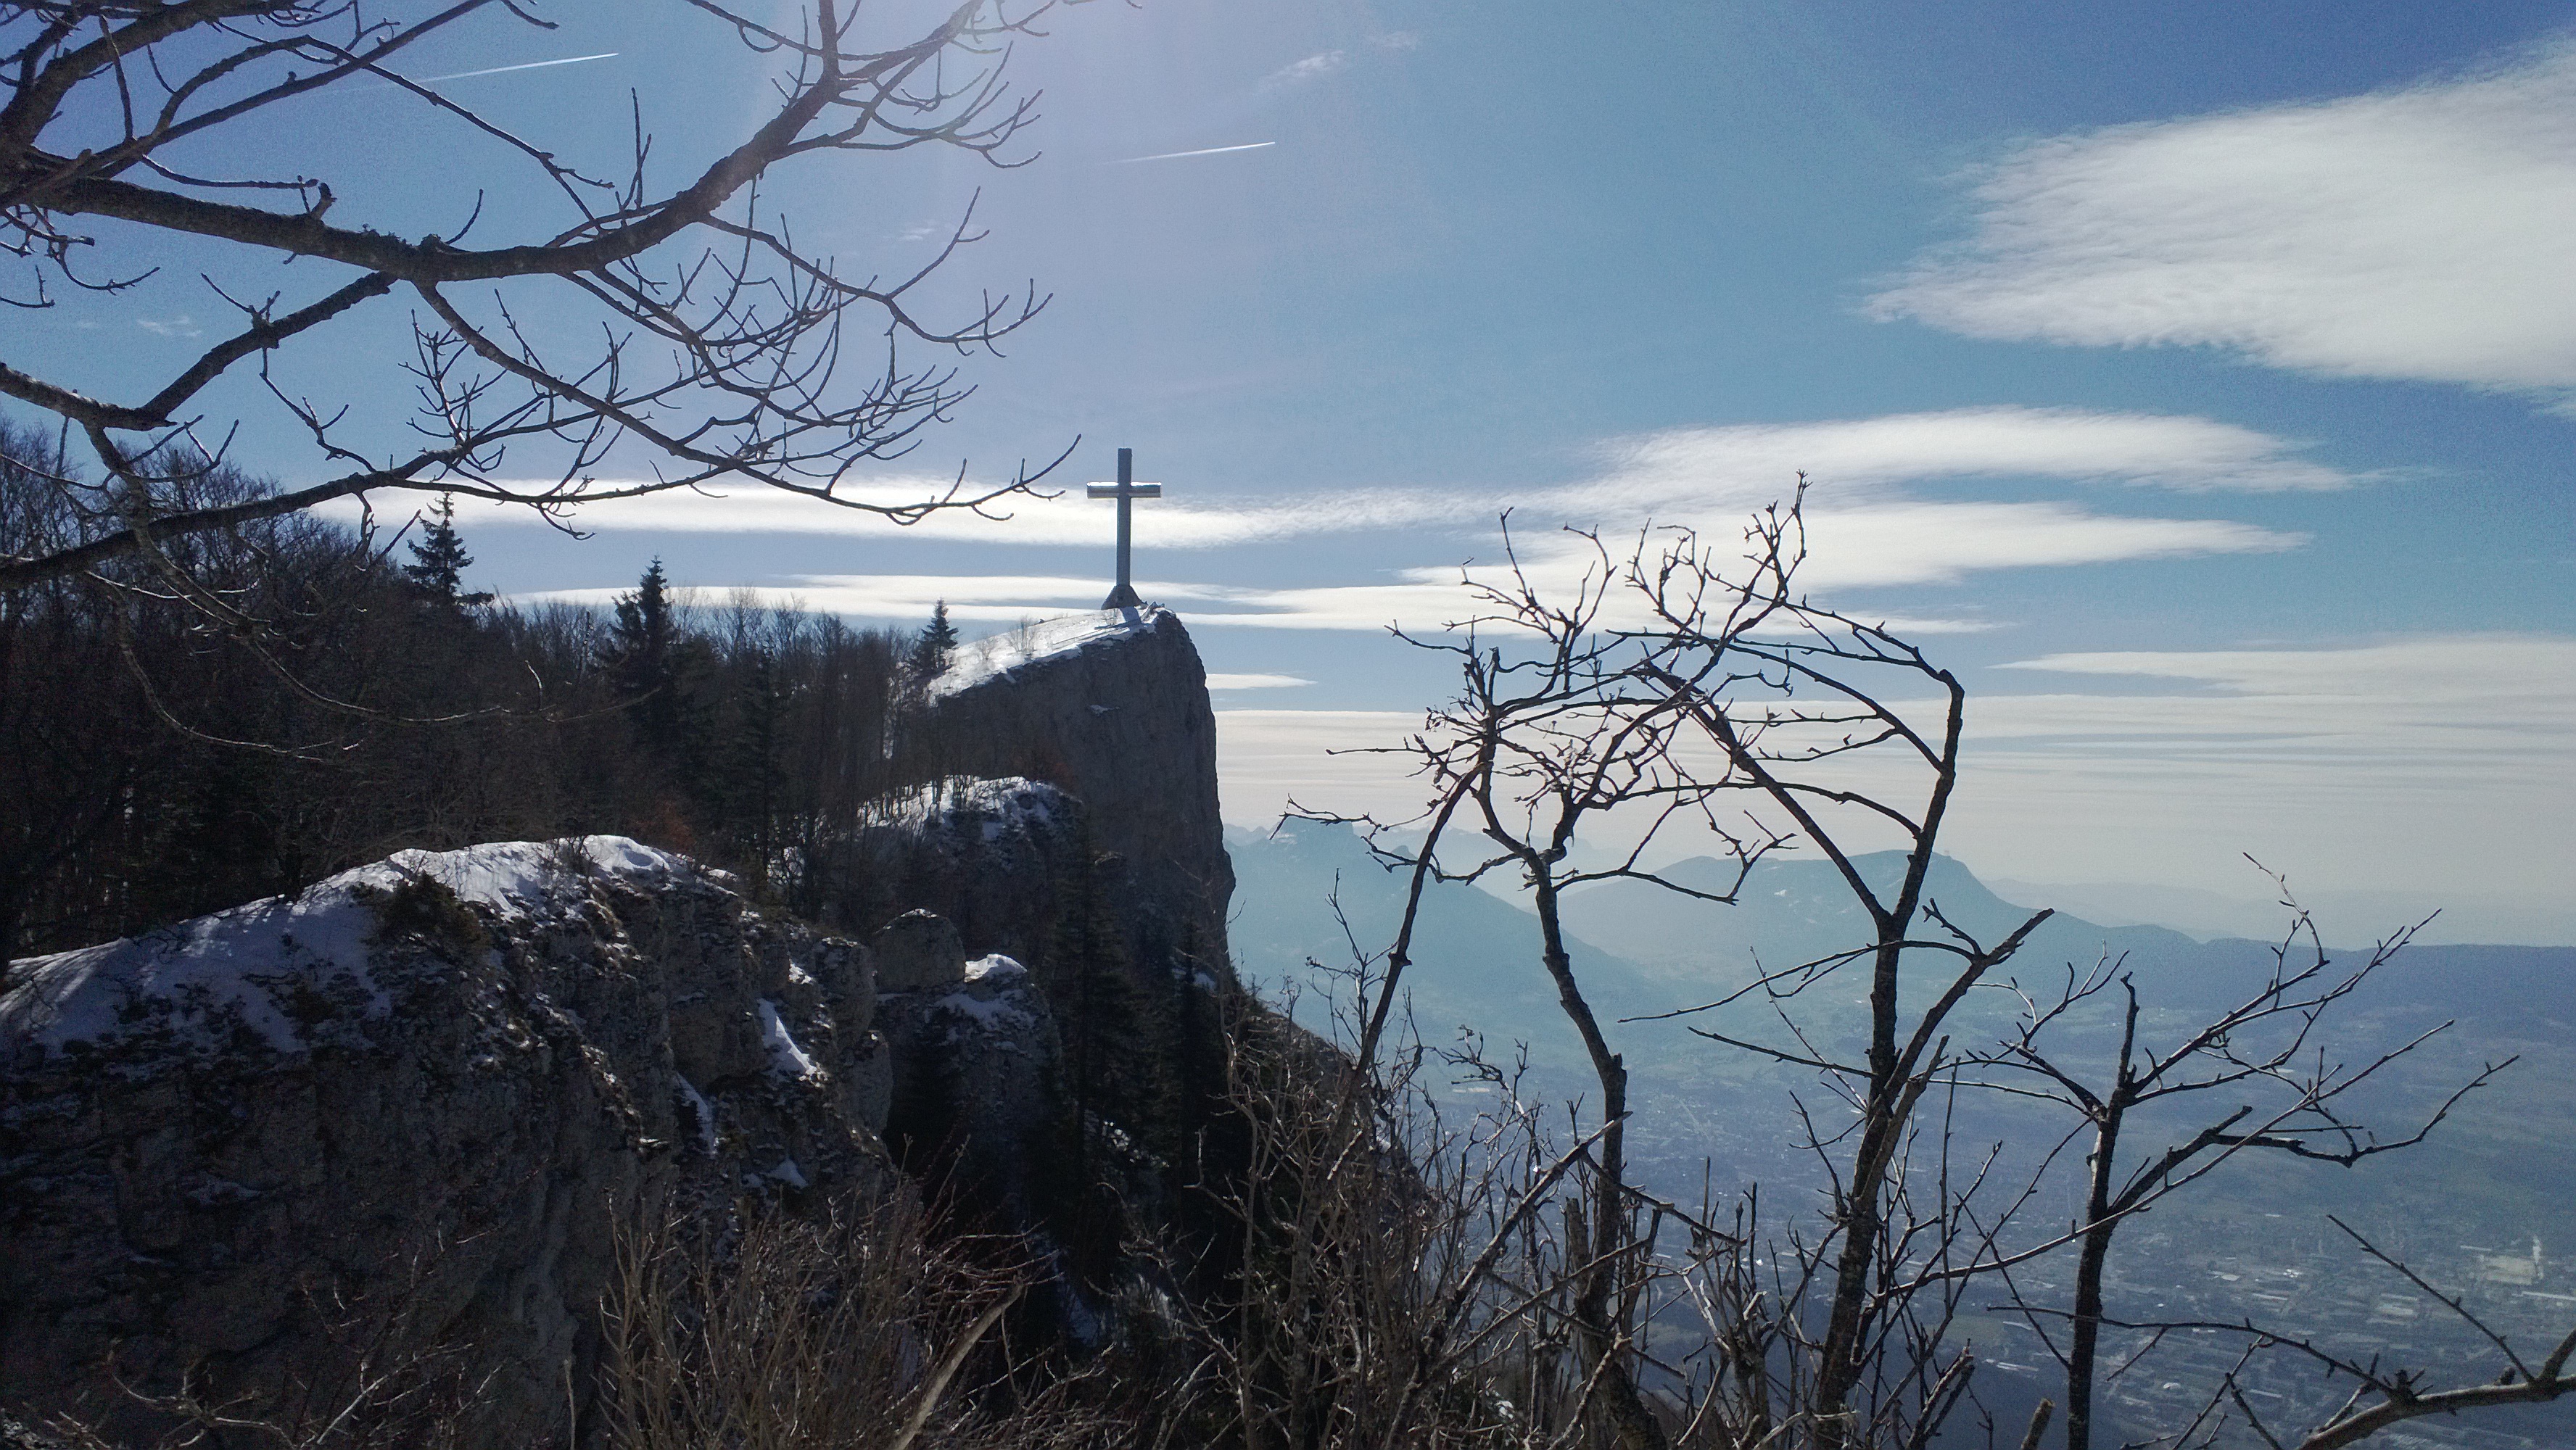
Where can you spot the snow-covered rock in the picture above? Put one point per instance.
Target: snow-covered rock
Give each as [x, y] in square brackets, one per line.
[428, 1091]
[292, 973]
[1002, 655]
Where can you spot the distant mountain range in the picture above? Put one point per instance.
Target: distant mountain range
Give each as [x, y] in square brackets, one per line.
[1642, 952]
[1642, 949]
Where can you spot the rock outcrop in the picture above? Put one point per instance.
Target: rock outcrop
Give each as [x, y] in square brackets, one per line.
[993, 858]
[1112, 708]
[415, 1103]
[979, 1089]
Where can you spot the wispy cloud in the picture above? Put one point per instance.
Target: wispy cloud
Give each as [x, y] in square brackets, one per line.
[1397, 40]
[1312, 68]
[2352, 767]
[2425, 233]
[1883, 512]
[180, 326]
[1255, 682]
[2160, 450]
[1317, 758]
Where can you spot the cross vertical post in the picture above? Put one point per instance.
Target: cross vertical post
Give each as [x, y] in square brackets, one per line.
[1126, 490]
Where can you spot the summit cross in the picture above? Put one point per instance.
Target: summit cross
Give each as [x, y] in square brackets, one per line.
[1126, 490]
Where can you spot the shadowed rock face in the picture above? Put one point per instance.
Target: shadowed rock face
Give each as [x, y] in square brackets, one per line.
[418, 1099]
[1112, 707]
[416, 1102]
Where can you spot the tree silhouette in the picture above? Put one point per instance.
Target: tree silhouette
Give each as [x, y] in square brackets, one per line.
[439, 561]
[936, 642]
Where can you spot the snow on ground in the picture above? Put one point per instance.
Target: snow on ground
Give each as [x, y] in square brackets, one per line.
[985, 659]
[264, 967]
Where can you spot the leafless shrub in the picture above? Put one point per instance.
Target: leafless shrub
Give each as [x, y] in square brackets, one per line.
[787, 1333]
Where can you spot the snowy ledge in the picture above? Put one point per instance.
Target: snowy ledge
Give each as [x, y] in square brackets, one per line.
[274, 966]
[999, 655]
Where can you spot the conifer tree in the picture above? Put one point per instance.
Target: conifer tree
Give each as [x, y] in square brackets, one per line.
[937, 641]
[439, 560]
[659, 670]
[752, 777]
[641, 657]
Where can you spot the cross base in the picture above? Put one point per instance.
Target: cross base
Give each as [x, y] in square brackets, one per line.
[1122, 597]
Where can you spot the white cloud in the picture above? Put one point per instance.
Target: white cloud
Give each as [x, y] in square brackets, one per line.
[2424, 233]
[1255, 682]
[1873, 519]
[1312, 68]
[996, 599]
[2422, 769]
[1320, 759]
[1750, 460]
[2432, 763]
[1065, 518]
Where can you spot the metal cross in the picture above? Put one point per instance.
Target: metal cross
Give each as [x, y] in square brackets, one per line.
[1125, 490]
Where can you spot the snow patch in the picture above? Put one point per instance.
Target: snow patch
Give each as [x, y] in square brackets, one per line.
[786, 1059]
[996, 972]
[788, 1173]
[996, 806]
[997, 656]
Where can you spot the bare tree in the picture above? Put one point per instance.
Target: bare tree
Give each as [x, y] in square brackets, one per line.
[1540, 741]
[1666, 689]
[1660, 689]
[2267, 1041]
[717, 347]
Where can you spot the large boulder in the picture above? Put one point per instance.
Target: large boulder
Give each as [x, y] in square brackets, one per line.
[412, 1106]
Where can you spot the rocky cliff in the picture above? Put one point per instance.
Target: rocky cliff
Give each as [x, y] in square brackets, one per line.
[416, 1104]
[1112, 708]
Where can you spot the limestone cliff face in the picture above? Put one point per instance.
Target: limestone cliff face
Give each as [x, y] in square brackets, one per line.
[417, 1100]
[1112, 707]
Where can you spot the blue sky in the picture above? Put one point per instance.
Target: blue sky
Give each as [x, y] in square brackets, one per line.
[2199, 378]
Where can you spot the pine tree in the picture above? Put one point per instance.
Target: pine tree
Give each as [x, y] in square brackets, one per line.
[439, 560]
[937, 641]
[650, 663]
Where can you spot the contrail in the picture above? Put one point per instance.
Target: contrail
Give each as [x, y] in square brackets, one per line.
[502, 69]
[1210, 151]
